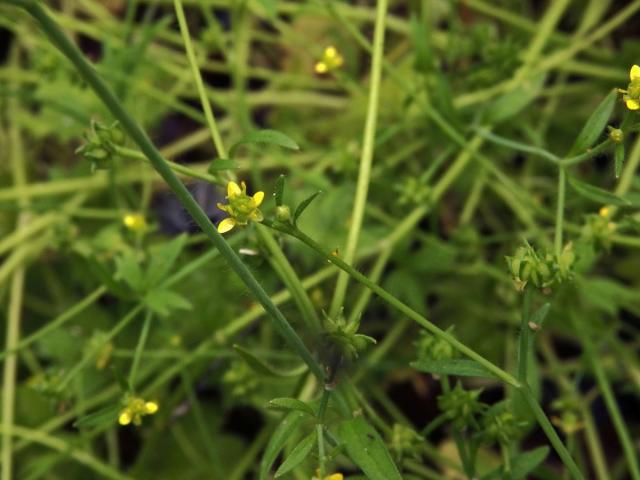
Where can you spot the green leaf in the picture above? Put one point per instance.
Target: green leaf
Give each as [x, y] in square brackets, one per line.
[271, 137]
[421, 44]
[99, 418]
[595, 125]
[280, 437]
[461, 367]
[261, 367]
[289, 404]
[297, 455]
[302, 207]
[515, 100]
[163, 301]
[220, 164]
[619, 158]
[162, 261]
[526, 462]
[595, 194]
[128, 269]
[367, 450]
[279, 192]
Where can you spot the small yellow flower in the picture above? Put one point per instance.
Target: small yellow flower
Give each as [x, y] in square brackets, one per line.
[241, 207]
[333, 476]
[135, 409]
[331, 60]
[135, 222]
[632, 95]
[604, 212]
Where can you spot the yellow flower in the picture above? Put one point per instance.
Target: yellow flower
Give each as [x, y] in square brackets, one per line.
[135, 222]
[333, 476]
[632, 95]
[331, 60]
[241, 207]
[604, 212]
[135, 409]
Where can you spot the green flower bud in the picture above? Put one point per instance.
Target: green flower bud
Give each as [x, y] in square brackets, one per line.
[283, 213]
[616, 135]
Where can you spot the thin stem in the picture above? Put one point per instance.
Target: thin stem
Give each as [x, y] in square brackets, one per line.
[366, 158]
[524, 344]
[193, 63]
[557, 243]
[88, 73]
[176, 167]
[142, 340]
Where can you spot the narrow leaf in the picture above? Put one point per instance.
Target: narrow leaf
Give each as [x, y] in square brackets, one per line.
[595, 194]
[515, 100]
[99, 418]
[595, 124]
[297, 455]
[278, 440]
[279, 192]
[303, 205]
[526, 462]
[261, 367]
[271, 137]
[461, 367]
[289, 404]
[367, 450]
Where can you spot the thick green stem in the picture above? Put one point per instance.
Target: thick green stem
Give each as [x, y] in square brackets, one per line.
[138, 135]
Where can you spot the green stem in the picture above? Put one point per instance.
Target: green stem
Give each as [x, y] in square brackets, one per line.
[193, 63]
[557, 243]
[142, 340]
[366, 158]
[548, 429]
[291, 279]
[523, 348]
[138, 135]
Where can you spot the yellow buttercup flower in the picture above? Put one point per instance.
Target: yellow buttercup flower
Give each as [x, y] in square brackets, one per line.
[631, 95]
[135, 409]
[331, 60]
[135, 222]
[241, 207]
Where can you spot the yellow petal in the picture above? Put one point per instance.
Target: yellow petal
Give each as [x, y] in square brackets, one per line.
[633, 104]
[222, 206]
[124, 418]
[335, 476]
[321, 67]
[226, 225]
[233, 189]
[634, 73]
[150, 408]
[257, 198]
[330, 52]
